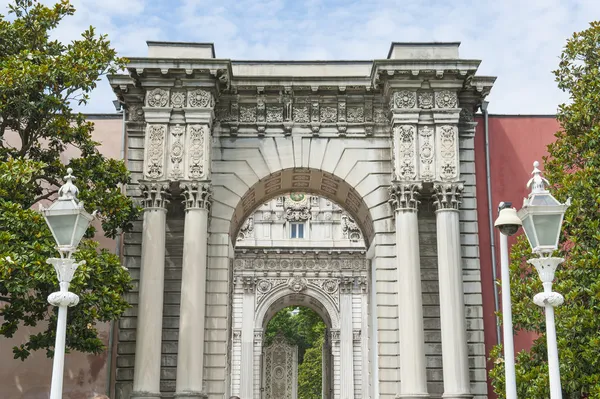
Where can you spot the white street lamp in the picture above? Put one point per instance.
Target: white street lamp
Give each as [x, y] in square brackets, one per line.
[68, 221]
[508, 223]
[542, 217]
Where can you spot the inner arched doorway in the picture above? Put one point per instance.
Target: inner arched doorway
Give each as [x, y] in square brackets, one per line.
[293, 269]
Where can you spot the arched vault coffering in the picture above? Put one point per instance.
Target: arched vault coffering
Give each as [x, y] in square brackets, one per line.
[311, 181]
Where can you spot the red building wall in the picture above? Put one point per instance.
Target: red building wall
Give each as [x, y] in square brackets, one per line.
[515, 142]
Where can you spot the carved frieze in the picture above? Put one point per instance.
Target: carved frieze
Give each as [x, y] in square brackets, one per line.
[447, 146]
[446, 99]
[155, 150]
[135, 113]
[155, 194]
[247, 113]
[197, 195]
[447, 196]
[301, 114]
[197, 139]
[299, 264]
[247, 229]
[200, 99]
[328, 114]
[404, 99]
[274, 113]
[176, 152]
[466, 115]
[261, 109]
[356, 114]
[404, 195]
[405, 152]
[426, 153]
[157, 98]
[426, 100]
[178, 99]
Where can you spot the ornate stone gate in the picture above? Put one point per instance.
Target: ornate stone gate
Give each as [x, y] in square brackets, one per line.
[389, 140]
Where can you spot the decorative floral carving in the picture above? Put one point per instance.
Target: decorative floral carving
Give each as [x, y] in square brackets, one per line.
[330, 286]
[274, 113]
[328, 114]
[200, 99]
[247, 113]
[447, 150]
[404, 195]
[314, 111]
[197, 195]
[379, 115]
[247, 229]
[197, 137]
[264, 286]
[426, 100]
[368, 110]
[356, 335]
[426, 153]
[297, 284]
[404, 140]
[176, 151]
[355, 114]
[155, 194]
[136, 113]
[178, 99]
[447, 195]
[350, 229]
[297, 209]
[298, 264]
[446, 99]
[466, 115]
[405, 99]
[155, 150]
[341, 113]
[157, 98]
[301, 114]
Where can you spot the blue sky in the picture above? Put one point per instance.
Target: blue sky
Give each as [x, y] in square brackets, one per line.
[519, 41]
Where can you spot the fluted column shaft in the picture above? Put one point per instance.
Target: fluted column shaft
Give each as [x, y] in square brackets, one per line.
[146, 377]
[346, 341]
[455, 358]
[190, 355]
[413, 377]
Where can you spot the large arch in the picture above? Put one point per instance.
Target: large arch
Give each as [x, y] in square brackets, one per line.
[312, 181]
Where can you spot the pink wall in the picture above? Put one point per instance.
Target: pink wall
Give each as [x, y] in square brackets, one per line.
[85, 375]
[515, 142]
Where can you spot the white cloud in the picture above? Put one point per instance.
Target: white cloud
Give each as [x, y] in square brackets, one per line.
[518, 41]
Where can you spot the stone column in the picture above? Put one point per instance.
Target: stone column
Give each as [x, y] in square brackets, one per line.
[346, 340]
[146, 376]
[455, 358]
[190, 354]
[413, 377]
[247, 338]
[337, 364]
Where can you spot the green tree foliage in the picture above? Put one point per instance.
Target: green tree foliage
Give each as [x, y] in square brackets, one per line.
[305, 328]
[40, 79]
[573, 168]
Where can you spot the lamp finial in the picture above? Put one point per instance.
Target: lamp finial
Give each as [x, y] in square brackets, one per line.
[537, 183]
[68, 191]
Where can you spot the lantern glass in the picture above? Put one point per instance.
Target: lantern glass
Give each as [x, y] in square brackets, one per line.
[547, 229]
[529, 229]
[62, 228]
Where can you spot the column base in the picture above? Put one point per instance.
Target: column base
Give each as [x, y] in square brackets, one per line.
[411, 395]
[144, 395]
[190, 395]
[460, 395]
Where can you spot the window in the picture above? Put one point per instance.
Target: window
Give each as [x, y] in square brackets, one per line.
[296, 230]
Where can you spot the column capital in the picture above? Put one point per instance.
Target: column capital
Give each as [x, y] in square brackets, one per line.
[198, 195]
[156, 194]
[334, 334]
[447, 195]
[403, 195]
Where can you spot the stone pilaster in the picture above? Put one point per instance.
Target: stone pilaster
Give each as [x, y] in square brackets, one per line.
[455, 359]
[190, 358]
[334, 335]
[247, 338]
[413, 377]
[346, 340]
[146, 378]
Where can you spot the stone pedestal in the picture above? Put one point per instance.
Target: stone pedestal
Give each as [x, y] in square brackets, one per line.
[190, 356]
[452, 309]
[413, 377]
[146, 378]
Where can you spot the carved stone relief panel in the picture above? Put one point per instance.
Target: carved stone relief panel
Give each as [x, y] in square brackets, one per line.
[157, 98]
[446, 99]
[447, 152]
[281, 369]
[426, 153]
[197, 146]
[176, 151]
[405, 152]
[154, 158]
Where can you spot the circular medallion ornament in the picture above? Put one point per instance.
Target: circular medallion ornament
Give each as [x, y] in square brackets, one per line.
[330, 286]
[264, 286]
[278, 373]
[297, 197]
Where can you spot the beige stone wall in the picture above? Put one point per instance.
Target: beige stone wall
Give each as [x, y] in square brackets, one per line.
[85, 375]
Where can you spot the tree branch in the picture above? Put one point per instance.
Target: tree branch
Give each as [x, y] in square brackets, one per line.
[5, 299]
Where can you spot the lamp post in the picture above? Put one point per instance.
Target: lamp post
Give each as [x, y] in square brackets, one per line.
[68, 221]
[508, 223]
[542, 216]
